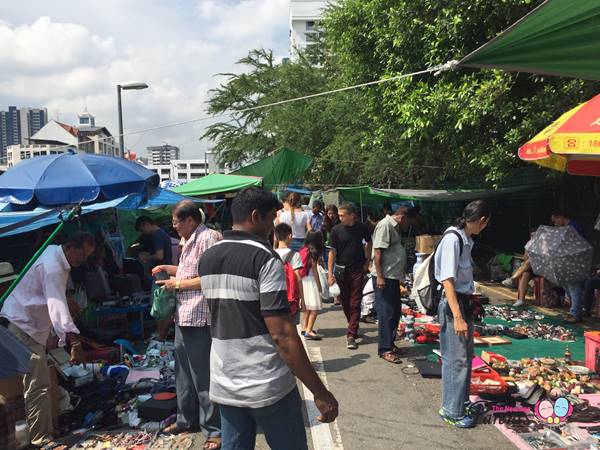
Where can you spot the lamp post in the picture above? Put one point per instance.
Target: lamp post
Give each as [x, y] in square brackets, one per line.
[137, 85]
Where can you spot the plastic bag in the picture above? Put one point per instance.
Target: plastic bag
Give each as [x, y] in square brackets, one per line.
[163, 303]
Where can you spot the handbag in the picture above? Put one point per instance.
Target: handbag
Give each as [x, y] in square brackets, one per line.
[339, 272]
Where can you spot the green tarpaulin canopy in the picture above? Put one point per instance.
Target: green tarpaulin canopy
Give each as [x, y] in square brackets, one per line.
[284, 167]
[216, 183]
[368, 195]
[559, 37]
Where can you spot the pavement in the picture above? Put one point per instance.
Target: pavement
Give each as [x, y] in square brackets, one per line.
[384, 405]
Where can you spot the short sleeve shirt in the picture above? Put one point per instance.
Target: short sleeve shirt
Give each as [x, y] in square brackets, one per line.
[386, 237]
[243, 280]
[162, 241]
[451, 264]
[295, 262]
[348, 244]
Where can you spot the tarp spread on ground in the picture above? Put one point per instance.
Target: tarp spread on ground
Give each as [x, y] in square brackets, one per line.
[129, 202]
[283, 167]
[559, 37]
[217, 183]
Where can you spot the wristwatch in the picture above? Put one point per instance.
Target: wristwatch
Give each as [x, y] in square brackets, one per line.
[177, 284]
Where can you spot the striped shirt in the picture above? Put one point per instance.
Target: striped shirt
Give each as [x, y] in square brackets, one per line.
[192, 309]
[243, 280]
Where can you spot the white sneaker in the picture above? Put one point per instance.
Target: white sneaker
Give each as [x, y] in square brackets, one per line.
[509, 283]
[518, 304]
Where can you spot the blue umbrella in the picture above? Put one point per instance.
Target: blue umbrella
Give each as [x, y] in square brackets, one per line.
[14, 355]
[73, 178]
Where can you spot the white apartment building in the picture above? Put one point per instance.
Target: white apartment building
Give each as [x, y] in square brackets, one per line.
[304, 23]
[186, 170]
[56, 137]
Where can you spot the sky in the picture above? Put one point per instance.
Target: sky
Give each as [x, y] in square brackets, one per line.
[67, 55]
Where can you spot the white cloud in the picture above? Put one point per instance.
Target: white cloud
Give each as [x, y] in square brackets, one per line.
[50, 46]
[71, 54]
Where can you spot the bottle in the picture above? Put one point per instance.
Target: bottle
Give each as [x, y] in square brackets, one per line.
[568, 354]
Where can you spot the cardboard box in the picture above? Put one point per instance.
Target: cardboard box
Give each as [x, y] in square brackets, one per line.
[426, 243]
[490, 357]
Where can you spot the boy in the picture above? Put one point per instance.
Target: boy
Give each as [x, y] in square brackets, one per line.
[283, 241]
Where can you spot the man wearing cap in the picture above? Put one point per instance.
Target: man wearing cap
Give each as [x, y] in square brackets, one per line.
[36, 306]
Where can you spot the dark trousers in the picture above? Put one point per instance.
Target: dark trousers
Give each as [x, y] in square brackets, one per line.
[388, 306]
[281, 423]
[350, 297]
[588, 295]
[192, 380]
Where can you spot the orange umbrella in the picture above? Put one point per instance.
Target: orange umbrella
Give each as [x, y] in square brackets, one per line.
[571, 144]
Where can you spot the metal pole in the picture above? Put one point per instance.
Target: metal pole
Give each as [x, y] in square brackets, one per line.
[121, 140]
[37, 254]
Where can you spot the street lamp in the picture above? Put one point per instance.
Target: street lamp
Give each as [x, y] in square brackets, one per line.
[137, 85]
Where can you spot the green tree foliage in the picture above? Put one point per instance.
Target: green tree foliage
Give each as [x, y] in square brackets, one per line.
[459, 128]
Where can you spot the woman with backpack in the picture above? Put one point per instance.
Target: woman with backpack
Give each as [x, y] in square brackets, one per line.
[312, 285]
[454, 271]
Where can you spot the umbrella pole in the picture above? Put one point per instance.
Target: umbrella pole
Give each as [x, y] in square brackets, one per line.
[37, 254]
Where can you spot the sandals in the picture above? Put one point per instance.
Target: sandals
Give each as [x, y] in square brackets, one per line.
[213, 443]
[312, 336]
[391, 357]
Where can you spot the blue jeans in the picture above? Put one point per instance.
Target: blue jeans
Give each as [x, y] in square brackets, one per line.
[575, 292]
[388, 306]
[297, 244]
[281, 422]
[457, 356]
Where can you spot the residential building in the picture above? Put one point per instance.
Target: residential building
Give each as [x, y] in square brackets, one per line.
[32, 120]
[17, 125]
[56, 137]
[304, 24]
[186, 170]
[162, 154]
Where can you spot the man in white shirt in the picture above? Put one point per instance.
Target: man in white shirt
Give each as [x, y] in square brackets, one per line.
[36, 306]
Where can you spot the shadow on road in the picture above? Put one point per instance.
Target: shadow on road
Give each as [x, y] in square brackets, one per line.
[340, 364]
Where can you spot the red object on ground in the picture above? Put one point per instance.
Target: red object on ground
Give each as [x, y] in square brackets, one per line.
[592, 345]
[485, 380]
[164, 396]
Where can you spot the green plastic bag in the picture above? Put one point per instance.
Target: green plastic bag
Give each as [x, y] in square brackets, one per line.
[163, 303]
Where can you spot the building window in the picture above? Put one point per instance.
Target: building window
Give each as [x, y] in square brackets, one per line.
[311, 25]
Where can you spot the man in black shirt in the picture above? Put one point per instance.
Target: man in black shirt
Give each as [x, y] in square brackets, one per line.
[348, 262]
[161, 251]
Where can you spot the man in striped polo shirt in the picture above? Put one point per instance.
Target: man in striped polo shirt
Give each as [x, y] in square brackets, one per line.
[256, 349]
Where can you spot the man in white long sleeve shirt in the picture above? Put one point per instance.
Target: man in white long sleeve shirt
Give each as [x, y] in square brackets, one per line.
[36, 306]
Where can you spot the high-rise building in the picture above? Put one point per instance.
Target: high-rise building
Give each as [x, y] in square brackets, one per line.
[18, 125]
[162, 154]
[304, 24]
[32, 120]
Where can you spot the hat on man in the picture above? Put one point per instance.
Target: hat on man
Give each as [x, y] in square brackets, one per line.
[7, 273]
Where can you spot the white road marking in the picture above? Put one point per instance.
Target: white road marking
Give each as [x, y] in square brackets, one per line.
[320, 432]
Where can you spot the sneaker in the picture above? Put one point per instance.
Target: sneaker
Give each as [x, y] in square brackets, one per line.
[464, 422]
[474, 409]
[519, 304]
[351, 344]
[509, 283]
[570, 318]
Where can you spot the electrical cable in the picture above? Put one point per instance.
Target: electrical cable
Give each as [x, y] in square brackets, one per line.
[450, 65]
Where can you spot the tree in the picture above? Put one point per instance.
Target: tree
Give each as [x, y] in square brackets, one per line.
[458, 128]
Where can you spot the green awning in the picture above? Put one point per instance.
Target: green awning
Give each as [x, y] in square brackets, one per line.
[216, 183]
[283, 167]
[367, 195]
[559, 37]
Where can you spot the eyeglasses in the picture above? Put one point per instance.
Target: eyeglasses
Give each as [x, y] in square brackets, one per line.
[177, 222]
